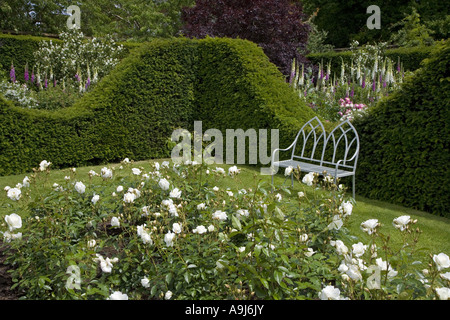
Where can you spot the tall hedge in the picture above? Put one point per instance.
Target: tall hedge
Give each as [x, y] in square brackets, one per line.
[160, 86]
[405, 140]
[238, 88]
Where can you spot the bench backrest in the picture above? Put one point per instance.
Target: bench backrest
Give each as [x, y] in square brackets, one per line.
[310, 142]
[342, 145]
[313, 145]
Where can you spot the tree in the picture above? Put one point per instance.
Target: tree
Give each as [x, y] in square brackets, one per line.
[124, 19]
[277, 26]
[132, 19]
[37, 16]
[345, 20]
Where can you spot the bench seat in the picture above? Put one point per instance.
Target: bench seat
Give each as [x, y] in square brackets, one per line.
[310, 167]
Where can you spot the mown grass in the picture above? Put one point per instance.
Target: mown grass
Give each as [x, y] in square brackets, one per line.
[434, 238]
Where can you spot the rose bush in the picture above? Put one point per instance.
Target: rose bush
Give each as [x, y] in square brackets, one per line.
[171, 233]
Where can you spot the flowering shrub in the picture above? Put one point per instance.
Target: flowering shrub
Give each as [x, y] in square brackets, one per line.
[171, 233]
[75, 61]
[350, 110]
[368, 77]
[64, 70]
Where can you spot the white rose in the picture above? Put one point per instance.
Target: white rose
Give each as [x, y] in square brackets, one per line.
[168, 238]
[346, 208]
[146, 238]
[164, 184]
[401, 222]
[278, 197]
[309, 252]
[176, 227]
[201, 206]
[233, 170]
[442, 261]
[95, 198]
[168, 295]
[44, 165]
[175, 193]
[215, 188]
[443, 293]
[106, 173]
[14, 221]
[91, 243]
[219, 215]
[145, 282]
[129, 197]
[136, 171]
[330, 293]
[115, 222]
[301, 194]
[242, 212]
[80, 187]
[14, 194]
[210, 228]
[219, 170]
[7, 236]
[336, 223]
[288, 171]
[26, 182]
[119, 189]
[308, 179]
[117, 295]
[341, 248]
[200, 230]
[359, 249]
[369, 226]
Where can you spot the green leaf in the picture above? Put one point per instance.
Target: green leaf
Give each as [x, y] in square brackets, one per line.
[278, 276]
[236, 223]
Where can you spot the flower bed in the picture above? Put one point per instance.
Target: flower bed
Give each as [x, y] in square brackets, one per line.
[127, 232]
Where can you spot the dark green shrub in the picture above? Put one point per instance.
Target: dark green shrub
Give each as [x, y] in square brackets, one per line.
[159, 87]
[405, 140]
[54, 98]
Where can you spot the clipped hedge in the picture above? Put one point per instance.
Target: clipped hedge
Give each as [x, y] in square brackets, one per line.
[410, 57]
[158, 87]
[238, 88]
[405, 141]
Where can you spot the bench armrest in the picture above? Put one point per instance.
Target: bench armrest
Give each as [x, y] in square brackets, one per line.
[274, 151]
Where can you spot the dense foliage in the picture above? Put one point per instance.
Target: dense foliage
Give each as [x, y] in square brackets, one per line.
[346, 20]
[124, 20]
[159, 87]
[405, 140]
[167, 231]
[277, 26]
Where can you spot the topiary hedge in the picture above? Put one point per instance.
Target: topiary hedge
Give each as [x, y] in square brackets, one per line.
[405, 140]
[158, 87]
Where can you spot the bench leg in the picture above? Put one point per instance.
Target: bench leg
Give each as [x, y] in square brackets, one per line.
[272, 182]
[292, 180]
[353, 188]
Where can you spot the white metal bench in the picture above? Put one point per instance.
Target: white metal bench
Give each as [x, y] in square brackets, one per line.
[337, 153]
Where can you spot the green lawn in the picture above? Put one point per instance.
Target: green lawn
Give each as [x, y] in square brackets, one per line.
[436, 230]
